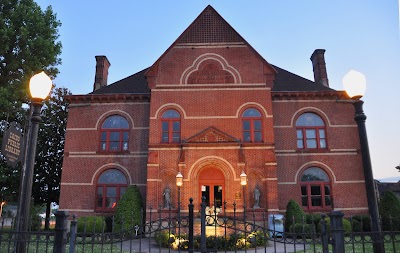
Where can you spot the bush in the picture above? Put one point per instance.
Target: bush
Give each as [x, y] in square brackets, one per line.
[293, 212]
[313, 218]
[35, 219]
[389, 208]
[164, 239]
[91, 224]
[346, 225]
[302, 229]
[128, 211]
[365, 222]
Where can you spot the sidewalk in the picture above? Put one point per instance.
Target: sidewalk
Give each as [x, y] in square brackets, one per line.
[148, 245]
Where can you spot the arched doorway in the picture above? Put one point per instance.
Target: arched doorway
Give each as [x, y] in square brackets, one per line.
[212, 186]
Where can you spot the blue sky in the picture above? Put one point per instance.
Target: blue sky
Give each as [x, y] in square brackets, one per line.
[357, 34]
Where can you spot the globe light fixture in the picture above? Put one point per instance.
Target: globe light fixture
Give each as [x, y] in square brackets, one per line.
[354, 83]
[40, 86]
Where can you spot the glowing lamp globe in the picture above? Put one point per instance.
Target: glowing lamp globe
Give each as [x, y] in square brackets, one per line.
[40, 86]
[179, 179]
[354, 84]
[243, 179]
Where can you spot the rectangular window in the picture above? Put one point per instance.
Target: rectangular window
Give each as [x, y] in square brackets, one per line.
[111, 197]
[322, 139]
[100, 197]
[311, 138]
[304, 196]
[300, 143]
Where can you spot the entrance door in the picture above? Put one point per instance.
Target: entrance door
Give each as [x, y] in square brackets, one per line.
[213, 194]
[212, 183]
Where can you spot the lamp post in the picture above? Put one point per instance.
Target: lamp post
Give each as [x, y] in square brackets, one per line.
[243, 182]
[179, 182]
[1, 207]
[39, 86]
[355, 84]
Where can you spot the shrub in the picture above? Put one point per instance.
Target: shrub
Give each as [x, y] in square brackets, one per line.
[346, 225]
[389, 208]
[35, 219]
[128, 211]
[313, 218]
[164, 239]
[365, 222]
[91, 224]
[293, 212]
[302, 229]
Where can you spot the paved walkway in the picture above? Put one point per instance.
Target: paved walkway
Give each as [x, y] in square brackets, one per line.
[148, 245]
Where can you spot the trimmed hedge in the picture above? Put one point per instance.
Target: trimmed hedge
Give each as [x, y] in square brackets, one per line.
[128, 211]
[91, 224]
[293, 213]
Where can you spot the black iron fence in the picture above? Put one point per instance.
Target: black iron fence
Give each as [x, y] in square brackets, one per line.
[169, 230]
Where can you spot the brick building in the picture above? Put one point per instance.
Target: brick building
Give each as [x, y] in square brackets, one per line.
[212, 108]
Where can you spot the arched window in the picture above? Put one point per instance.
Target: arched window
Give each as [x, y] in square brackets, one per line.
[111, 185]
[170, 127]
[316, 189]
[252, 125]
[114, 134]
[311, 132]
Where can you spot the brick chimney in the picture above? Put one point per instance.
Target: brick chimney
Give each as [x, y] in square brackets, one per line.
[100, 78]
[319, 67]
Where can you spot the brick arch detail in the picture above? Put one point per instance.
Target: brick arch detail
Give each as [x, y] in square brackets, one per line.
[211, 56]
[174, 106]
[309, 109]
[113, 112]
[220, 163]
[111, 166]
[321, 165]
[255, 105]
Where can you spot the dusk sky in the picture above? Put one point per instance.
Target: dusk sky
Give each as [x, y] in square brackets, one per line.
[357, 34]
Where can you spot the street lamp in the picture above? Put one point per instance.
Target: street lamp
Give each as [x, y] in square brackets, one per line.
[179, 182]
[355, 83]
[243, 182]
[1, 207]
[39, 86]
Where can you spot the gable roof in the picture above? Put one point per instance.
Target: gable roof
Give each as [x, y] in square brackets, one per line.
[208, 27]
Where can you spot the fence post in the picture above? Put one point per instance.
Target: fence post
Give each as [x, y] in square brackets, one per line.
[72, 235]
[337, 231]
[60, 238]
[203, 247]
[324, 234]
[191, 221]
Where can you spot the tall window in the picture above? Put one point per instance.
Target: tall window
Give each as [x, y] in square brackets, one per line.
[315, 189]
[170, 127]
[111, 185]
[310, 129]
[252, 126]
[114, 134]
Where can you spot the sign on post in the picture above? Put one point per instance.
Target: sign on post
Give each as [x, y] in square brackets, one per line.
[11, 146]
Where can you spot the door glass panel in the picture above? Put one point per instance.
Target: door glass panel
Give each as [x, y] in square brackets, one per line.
[218, 195]
[205, 192]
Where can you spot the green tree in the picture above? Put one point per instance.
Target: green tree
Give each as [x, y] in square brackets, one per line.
[294, 214]
[389, 209]
[28, 44]
[50, 150]
[128, 212]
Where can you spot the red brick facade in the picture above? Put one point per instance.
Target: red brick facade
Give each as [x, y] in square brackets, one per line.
[210, 76]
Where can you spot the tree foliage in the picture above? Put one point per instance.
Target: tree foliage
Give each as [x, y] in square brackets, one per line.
[50, 149]
[29, 44]
[389, 209]
[128, 212]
